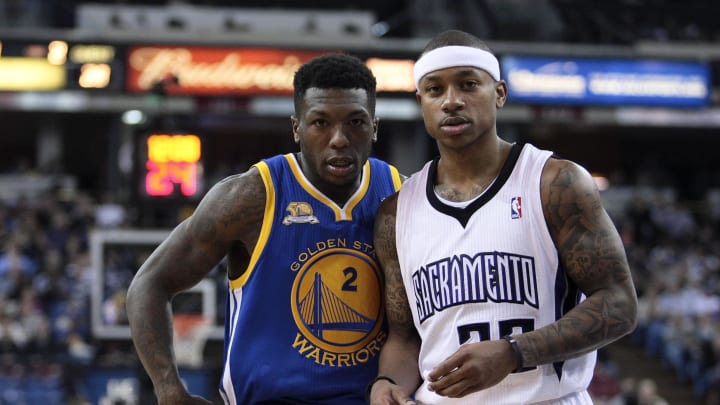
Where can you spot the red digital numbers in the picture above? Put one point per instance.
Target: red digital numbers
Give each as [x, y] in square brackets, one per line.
[172, 161]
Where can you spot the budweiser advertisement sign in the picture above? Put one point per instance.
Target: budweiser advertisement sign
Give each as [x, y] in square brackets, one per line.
[213, 71]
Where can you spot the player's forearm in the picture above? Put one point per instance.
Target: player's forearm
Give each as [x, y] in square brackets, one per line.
[399, 361]
[601, 319]
[149, 314]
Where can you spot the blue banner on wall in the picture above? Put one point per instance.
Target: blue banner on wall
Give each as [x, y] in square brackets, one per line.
[544, 80]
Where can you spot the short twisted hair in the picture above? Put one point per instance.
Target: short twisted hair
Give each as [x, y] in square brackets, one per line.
[334, 71]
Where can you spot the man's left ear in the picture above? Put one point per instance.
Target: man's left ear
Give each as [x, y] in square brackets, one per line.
[501, 91]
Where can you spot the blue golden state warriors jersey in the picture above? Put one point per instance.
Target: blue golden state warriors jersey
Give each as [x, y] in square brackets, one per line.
[305, 322]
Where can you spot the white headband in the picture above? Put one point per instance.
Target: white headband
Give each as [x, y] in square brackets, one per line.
[453, 56]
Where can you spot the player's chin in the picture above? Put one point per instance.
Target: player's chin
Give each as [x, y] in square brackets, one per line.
[341, 182]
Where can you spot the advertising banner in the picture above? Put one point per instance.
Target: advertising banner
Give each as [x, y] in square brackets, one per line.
[213, 71]
[579, 81]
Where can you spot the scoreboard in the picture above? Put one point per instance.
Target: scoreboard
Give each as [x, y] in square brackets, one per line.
[173, 165]
[53, 65]
[94, 66]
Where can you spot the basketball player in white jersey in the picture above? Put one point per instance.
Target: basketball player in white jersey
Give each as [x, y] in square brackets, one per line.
[504, 274]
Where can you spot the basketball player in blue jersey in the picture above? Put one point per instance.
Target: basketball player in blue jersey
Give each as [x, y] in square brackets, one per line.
[503, 272]
[304, 319]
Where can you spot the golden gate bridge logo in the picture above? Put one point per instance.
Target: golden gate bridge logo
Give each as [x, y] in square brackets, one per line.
[322, 310]
[337, 303]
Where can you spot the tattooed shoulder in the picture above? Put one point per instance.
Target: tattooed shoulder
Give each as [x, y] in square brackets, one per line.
[568, 193]
[232, 209]
[385, 222]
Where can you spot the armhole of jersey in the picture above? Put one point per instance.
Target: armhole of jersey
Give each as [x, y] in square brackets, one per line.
[397, 180]
[545, 224]
[267, 223]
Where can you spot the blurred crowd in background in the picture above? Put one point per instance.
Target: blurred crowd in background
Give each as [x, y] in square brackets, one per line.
[673, 250]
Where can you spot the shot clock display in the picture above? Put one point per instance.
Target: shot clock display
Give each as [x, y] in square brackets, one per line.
[172, 166]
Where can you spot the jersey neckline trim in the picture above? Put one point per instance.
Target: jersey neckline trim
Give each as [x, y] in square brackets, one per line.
[463, 215]
[343, 213]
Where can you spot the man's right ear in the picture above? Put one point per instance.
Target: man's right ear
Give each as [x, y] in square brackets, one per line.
[295, 124]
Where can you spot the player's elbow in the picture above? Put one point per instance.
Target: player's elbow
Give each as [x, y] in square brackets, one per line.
[628, 308]
[134, 296]
[139, 292]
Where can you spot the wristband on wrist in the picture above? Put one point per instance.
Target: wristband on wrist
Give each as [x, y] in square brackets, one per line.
[371, 383]
[516, 349]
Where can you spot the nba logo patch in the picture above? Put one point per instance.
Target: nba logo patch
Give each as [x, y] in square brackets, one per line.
[516, 208]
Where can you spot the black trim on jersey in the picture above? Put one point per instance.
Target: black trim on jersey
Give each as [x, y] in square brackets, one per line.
[463, 214]
[570, 301]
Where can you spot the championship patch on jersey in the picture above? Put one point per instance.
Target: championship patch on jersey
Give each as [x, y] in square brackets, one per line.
[516, 207]
[299, 213]
[336, 304]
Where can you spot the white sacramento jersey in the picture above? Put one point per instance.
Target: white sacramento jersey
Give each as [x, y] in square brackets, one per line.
[485, 271]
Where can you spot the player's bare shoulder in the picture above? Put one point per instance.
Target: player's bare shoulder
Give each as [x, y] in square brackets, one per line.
[385, 228]
[385, 218]
[568, 191]
[232, 209]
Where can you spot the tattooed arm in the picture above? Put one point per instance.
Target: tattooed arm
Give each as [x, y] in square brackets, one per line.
[227, 219]
[399, 355]
[592, 253]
